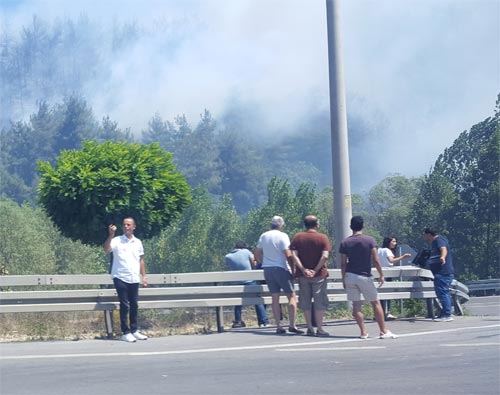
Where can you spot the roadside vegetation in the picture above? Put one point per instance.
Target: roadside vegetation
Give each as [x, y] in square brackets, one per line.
[196, 188]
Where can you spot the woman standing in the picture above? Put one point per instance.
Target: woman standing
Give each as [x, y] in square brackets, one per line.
[386, 255]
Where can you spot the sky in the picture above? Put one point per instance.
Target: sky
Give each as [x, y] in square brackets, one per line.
[419, 72]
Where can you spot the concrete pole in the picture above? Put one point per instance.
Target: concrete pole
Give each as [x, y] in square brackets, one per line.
[342, 207]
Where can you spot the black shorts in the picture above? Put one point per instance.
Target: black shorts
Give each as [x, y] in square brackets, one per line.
[278, 279]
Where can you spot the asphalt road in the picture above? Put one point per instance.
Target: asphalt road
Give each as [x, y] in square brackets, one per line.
[459, 357]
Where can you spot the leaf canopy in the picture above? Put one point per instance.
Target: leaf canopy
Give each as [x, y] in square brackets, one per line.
[102, 183]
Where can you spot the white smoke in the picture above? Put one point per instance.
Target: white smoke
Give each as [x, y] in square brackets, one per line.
[418, 71]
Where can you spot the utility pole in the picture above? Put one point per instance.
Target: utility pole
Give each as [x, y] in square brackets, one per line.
[342, 206]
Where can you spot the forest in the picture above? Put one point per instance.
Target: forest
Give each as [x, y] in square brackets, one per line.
[237, 180]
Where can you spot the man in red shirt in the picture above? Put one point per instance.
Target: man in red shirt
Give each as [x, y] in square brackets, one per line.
[310, 253]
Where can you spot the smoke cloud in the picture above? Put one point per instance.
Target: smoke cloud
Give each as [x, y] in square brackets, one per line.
[417, 72]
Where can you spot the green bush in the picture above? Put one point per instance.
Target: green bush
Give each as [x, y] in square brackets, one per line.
[103, 183]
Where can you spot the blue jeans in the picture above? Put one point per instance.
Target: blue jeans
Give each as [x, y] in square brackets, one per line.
[442, 284]
[260, 309]
[128, 294]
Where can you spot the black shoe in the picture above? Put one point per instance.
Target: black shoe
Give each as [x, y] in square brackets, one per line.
[238, 324]
[280, 331]
[297, 331]
[310, 332]
[322, 333]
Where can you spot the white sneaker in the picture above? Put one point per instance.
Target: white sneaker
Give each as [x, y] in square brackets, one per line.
[443, 319]
[388, 335]
[364, 337]
[128, 338]
[139, 336]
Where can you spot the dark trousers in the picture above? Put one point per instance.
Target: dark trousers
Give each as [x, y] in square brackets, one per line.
[260, 309]
[442, 283]
[128, 295]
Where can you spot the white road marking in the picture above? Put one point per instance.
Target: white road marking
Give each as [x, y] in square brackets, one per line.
[240, 348]
[481, 304]
[470, 344]
[447, 330]
[330, 349]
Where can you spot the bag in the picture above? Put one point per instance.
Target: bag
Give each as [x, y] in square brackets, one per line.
[421, 258]
[434, 263]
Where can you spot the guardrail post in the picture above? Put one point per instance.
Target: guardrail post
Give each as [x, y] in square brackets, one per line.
[457, 306]
[219, 317]
[108, 321]
[430, 309]
[219, 313]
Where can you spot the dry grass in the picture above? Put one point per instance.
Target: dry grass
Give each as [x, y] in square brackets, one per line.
[90, 325]
[50, 326]
[154, 323]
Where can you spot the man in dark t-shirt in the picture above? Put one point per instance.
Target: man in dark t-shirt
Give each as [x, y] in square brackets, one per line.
[357, 251]
[442, 268]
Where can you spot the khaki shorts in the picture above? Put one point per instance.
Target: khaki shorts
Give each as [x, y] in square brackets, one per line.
[356, 285]
[313, 288]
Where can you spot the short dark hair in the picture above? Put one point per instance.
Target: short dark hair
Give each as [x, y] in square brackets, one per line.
[130, 217]
[240, 245]
[357, 223]
[430, 231]
[310, 221]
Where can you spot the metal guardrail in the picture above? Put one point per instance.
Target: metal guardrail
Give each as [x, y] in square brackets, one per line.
[459, 294]
[486, 286]
[44, 293]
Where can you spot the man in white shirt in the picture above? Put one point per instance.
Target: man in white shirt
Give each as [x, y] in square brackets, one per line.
[273, 252]
[127, 268]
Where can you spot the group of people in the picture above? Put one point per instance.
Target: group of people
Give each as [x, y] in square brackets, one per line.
[305, 259]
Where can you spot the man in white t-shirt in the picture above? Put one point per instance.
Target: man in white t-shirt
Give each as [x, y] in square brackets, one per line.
[127, 268]
[273, 252]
